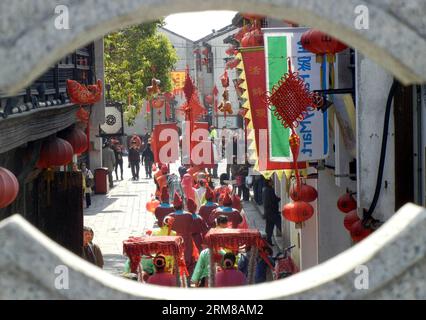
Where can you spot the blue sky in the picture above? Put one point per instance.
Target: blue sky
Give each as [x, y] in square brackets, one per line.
[196, 25]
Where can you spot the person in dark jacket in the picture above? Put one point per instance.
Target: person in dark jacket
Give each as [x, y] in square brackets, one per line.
[134, 159]
[148, 160]
[271, 210]
[118, 152]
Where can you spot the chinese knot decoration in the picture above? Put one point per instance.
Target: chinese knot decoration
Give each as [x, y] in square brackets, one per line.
[290, 101]
[84, 95]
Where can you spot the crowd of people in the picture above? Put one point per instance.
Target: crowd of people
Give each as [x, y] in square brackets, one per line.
[190, 205]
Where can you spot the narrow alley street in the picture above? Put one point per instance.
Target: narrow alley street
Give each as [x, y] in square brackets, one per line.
[121, 213]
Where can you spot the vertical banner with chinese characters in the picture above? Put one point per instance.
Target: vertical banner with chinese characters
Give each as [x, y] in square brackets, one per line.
[253, 66]
[313, 130]
[164, 143]
[178, 81]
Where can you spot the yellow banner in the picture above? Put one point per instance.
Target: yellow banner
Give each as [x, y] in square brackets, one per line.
[178, 80]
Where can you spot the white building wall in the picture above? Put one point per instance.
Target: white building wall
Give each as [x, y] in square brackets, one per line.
[372, 86]
[98, 110]
[218, 49]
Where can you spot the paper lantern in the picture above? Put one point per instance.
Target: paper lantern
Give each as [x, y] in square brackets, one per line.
[54, 153]
[321, 43]
[78, 140]
[307, 193]
[298, 211]
[350, 219]
[9, 187]
[253, 38]
[359, 232]
[346, 203]
[209, 99]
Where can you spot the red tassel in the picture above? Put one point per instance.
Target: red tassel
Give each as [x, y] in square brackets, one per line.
[148, 106]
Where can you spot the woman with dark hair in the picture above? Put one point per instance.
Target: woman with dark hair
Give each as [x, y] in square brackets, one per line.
[161, 277]
[230, 276]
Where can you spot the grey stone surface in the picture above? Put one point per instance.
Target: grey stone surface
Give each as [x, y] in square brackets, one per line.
[395, 257]
[30, 43]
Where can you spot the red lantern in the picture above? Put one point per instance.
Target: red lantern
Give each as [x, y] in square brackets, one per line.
[209, 99]
[54, 153]
[321, 43]
[350, 219]
[298, 211]
[252, 16]
[152, 205]
[346, 203]
[225, 79]
[307, 193]
[78, 140]
[157, 103]
[253, 38]
[9, 187]
[359, 232]
[83, 115]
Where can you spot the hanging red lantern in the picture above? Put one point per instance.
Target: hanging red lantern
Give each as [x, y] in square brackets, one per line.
[54, 153]
[350, 219]
[209, 99]
[152, 205]
[78, 140]
[9, 187]
[157, 103]
[321, 43]
[253, 38]
[298, 211]
[346, 203]
[83, 115]
[359, 232]
[252, 16]
[307, 193]
[225, 79]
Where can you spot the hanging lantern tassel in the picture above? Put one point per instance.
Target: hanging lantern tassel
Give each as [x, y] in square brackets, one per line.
[294, 141]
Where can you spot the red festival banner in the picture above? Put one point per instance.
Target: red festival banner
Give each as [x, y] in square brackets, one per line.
[201, 137]
[165, 132]
[255, 77]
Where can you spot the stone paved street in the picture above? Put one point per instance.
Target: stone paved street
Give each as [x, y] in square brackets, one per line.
[118, 215]
[121, 213]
